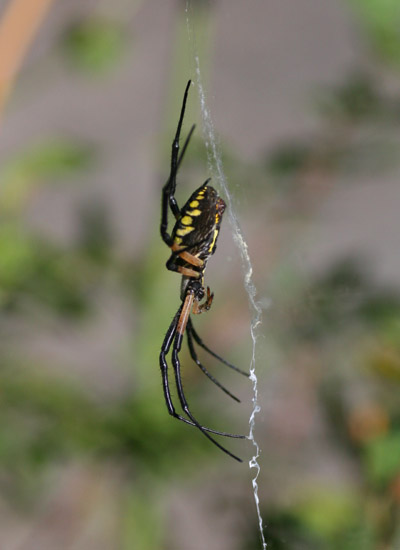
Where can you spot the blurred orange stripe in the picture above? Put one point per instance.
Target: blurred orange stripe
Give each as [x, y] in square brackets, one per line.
[18, 26]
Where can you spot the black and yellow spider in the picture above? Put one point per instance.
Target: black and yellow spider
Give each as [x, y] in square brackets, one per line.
[192, 241]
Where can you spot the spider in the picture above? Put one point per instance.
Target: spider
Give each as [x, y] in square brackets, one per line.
[192, 242]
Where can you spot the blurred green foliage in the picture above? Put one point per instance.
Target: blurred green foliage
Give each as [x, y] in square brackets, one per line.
[42, 163]
[358, 99]
[381, 20]
[351, 140]
[94, 45]
[382, 457]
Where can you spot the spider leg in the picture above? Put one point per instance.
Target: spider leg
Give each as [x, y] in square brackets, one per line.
[172, 200]
[169, 188]
[185, 145]
[185, 406]
[164, 370]
[178, 251]
[182, 322]
[193, 355]
[200, 342]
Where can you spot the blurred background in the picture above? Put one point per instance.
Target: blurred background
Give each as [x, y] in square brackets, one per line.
[305, 98]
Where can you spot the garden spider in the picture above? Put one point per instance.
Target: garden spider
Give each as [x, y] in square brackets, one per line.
[192, 242]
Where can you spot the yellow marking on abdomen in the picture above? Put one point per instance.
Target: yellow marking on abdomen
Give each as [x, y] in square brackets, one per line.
[216, 231]
[195, 212]
[194, 204]
[182, 231]
[177, 240]
[186, 220]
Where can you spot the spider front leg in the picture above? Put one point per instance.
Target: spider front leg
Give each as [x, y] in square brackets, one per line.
[168, 192]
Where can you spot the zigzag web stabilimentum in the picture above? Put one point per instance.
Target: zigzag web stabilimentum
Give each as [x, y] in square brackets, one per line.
[216, 168]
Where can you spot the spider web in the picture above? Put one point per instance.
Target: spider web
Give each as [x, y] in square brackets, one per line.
[216, 168]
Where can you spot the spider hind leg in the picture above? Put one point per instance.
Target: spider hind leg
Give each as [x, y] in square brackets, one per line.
[174, 335]
[195, 358]
[200, 342]
[182, 398]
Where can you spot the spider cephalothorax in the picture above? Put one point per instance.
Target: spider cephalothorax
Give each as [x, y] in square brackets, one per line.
[192, 241]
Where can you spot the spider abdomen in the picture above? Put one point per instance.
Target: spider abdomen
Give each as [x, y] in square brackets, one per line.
[198, 225]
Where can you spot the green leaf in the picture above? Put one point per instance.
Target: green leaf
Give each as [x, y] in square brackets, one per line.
[382, 457]
[381, 19]
[328, 511]
[94, 45]
[42, 162]
[356, 99]
[16, 256]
